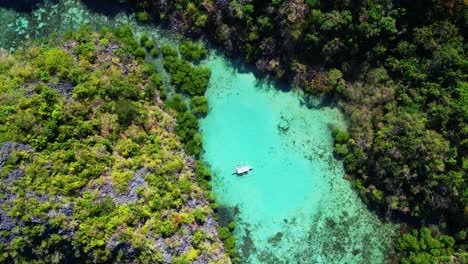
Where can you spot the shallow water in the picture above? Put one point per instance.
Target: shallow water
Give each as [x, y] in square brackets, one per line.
[295, 206]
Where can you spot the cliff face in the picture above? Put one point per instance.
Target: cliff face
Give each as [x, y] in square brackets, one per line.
[90, 167]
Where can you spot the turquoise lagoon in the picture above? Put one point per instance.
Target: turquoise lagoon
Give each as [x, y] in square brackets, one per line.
[295, 206]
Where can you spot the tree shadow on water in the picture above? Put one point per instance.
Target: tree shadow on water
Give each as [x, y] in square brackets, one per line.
[109, 7]
[21, 5]
[263, 80]
[227, 214]
[105, 7]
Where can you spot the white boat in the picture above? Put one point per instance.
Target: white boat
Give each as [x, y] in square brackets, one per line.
[242, 168]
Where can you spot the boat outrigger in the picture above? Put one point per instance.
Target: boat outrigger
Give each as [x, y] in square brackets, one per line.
[242, 168]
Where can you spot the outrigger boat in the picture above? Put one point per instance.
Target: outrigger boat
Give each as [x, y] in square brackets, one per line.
[242, 168]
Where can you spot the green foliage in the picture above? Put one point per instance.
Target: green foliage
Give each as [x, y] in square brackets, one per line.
[187, 130]
[404, 65]
[143, 39]
[275, 2]
[104, 42]
[340, 136]
[248, 8]
[199, 215]
[202, 175]
[199, 105]
[139, 53]
[336, 78]
[166, 228]
[143, 17]
[106, 173]
[405, 69]
[56, 62]
[85, 50]
[341, 149]
[156, 83]
[177, 103]
[192, 51]
[265, 24]
[193, 254]
[130, 45]
[187, 78]
[127, 148]
[425, 246]
[149, 44]
[126, 111]
[154, 52]
[197, 238]
[103, 207]
[168, 51]
[228, 240]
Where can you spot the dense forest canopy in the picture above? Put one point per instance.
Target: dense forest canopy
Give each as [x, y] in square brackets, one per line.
[84, 111]
[398, 69]
[95, 161]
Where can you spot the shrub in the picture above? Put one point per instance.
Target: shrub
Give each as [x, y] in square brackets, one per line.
[198, 237]
[154, 52]
[341, 149]
[168, 51]
[228, 240]
[232, 226]
[199, 215]
[187, 126]
[104, 42]
[340, 136]
[166, 228]
[192, 51]
[425, 246]
[143, 17]
[126, 111]
[85, 50]
[148, 70]
[139, 53]
[187, 78]
[127, 148]
[57, 62]
[156, 84]
[177, 103]
[199, 105]
[143, 39]
[149, 44]
[193, 146]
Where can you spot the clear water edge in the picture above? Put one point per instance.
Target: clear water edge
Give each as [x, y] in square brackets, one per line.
[295, 206]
